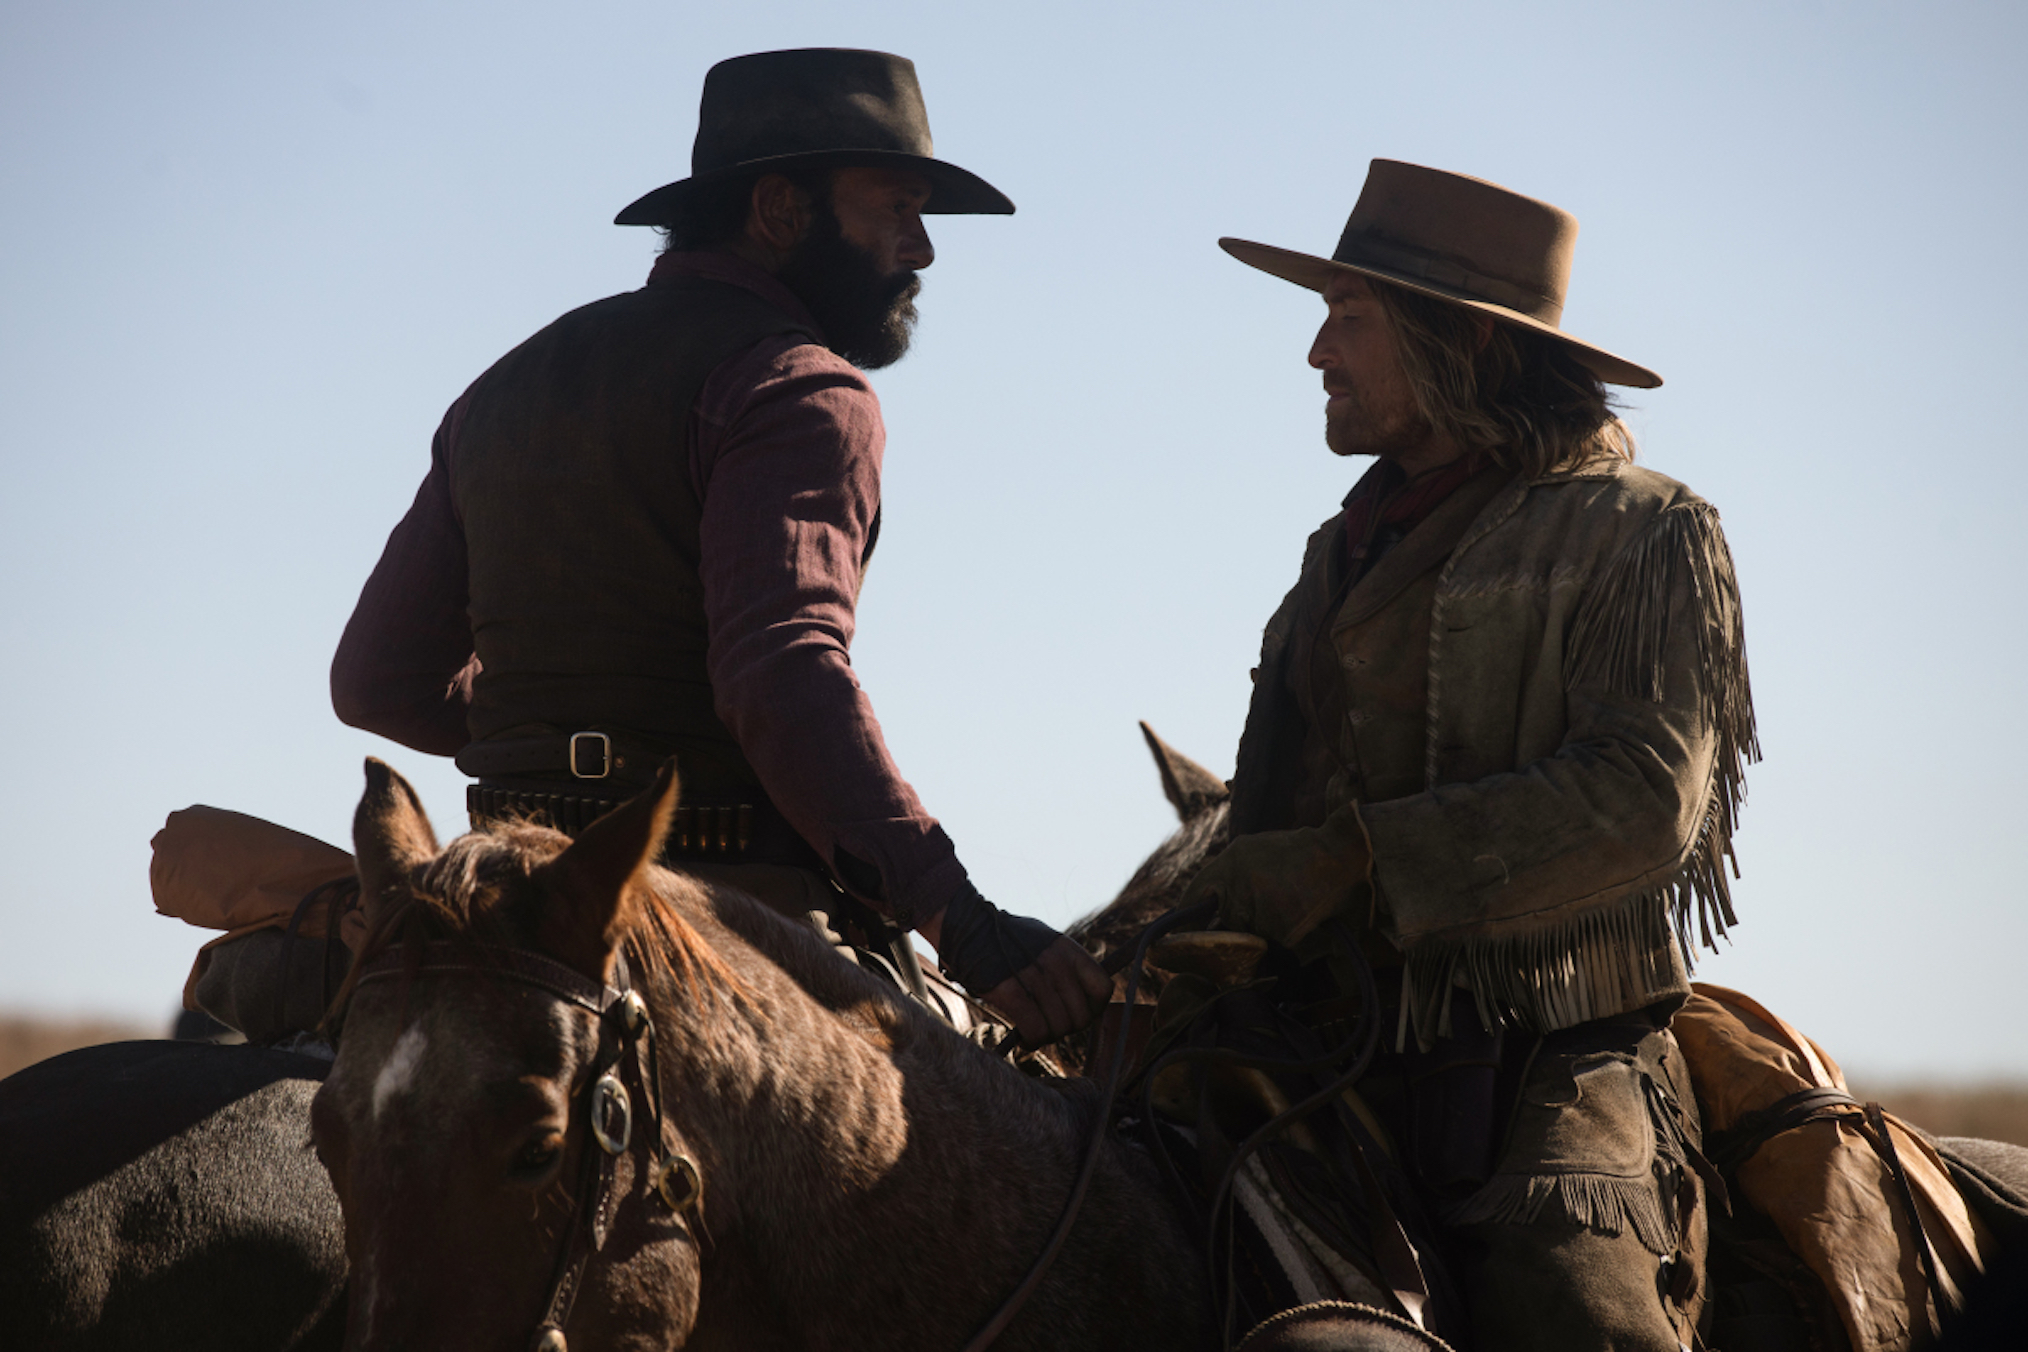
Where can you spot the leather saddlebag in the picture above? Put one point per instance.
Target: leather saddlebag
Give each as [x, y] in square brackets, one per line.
[1797, 1148]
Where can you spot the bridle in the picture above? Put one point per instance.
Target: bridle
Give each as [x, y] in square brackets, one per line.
[626, 1050]
[624, 1028]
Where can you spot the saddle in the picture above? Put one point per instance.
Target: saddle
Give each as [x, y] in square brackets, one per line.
[1254, 1114]
[1844, 1228]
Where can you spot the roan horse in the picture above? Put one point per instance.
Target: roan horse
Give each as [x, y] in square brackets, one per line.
[164, 1195]
[160, 1195]
[857, 1175]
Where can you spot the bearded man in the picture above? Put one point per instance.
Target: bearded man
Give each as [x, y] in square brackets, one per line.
[1496, 741]
[643, 534]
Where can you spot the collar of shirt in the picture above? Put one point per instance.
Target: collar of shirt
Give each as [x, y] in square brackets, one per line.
[1386, 498]
[715, 265]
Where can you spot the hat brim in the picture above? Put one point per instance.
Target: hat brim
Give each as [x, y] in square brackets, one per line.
[1313, 272]
[953, 191]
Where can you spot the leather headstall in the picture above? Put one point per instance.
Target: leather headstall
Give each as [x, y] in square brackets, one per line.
[626, 1050]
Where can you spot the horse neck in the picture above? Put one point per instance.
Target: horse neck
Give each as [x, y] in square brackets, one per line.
[863, 1163]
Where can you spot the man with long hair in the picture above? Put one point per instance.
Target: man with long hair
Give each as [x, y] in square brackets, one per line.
[643, 534]
[1496, 744]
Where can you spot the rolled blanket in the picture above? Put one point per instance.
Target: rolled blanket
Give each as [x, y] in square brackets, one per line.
[228, 871]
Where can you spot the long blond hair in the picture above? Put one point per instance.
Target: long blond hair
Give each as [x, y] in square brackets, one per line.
[1523, 400]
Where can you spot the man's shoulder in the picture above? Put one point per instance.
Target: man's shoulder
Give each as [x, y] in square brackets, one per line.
[1574, 518]
[791, 376]
[1317, 548]
[640, 338]
[703, 304]
[796, 356]
[1611, 486]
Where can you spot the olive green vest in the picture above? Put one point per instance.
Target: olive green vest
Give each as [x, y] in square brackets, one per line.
[571, 472]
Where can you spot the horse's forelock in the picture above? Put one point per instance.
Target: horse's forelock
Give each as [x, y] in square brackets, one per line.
[471, 890]
[467, 883]
[474, 892]
[456, 896]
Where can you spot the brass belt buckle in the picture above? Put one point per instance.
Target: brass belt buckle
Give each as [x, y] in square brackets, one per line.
[605, 753]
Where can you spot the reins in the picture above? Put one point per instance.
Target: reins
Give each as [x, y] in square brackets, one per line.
[1010, 1307]
[1401, 1267]
[624, 1027]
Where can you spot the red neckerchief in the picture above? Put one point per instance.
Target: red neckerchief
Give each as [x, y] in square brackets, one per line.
[1384, 497]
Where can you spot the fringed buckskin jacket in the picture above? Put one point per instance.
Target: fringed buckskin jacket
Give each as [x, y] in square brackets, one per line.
[1587, 724]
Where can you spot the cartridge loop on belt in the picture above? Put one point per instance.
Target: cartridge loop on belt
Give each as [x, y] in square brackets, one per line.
[697, 831]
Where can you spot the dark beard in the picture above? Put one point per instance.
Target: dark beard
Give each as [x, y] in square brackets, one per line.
[867, 317]
[1359, 431]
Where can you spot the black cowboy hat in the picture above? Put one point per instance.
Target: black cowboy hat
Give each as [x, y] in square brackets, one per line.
[816, 106]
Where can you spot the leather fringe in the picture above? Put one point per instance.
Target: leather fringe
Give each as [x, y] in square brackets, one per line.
[1602, 1202]
[1620, 639]
[1619, 956]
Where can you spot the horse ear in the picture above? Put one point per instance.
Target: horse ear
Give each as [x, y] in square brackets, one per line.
[391, 835]
[1189, 787]
[597, 874]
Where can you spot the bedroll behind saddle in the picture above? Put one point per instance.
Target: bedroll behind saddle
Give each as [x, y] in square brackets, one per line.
[224, 870]
[1842, 1182]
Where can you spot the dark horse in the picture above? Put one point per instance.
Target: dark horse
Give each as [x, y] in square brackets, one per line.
[164, 1195]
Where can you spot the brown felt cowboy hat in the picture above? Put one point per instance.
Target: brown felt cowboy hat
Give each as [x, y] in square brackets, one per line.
[817, 106]
[1458, 239]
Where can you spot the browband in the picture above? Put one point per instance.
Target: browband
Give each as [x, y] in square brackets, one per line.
[440, 958]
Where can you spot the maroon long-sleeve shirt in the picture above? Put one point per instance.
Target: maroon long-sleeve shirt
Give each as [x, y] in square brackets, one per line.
[785, 444]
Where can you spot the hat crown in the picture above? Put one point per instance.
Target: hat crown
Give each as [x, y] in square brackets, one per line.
[1464, 235]
[812, 108]
[809, 100]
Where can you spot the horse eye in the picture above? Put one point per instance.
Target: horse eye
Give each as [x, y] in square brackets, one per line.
[537, 1156]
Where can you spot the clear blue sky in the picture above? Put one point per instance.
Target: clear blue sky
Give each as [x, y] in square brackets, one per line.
[249, 252]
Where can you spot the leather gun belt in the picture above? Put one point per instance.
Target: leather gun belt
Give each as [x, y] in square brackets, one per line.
[733, 833]
[592, 754]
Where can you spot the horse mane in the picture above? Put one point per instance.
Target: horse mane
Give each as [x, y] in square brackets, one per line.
[477, 891]
[659, 940]
[801, 955]
[482, 890]
[1158, 884]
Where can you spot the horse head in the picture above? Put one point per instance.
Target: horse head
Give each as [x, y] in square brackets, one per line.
[1203, 809]
[479, 1026]
[766, 1147]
